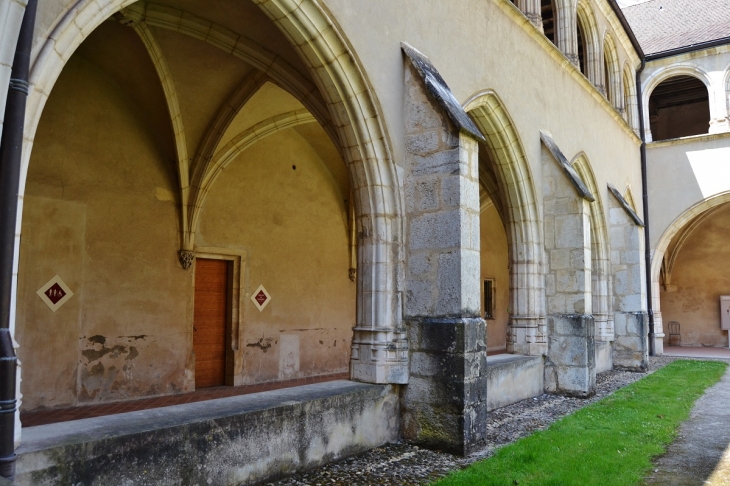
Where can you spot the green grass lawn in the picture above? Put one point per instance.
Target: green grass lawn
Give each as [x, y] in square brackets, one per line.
[611, 442]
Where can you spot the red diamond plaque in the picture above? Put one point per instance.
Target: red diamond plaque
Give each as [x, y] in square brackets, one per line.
[260, 298]
[55, 293]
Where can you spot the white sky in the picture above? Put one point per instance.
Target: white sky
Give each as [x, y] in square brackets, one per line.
[626, 3]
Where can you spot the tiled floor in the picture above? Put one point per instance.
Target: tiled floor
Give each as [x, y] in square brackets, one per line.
[30, 419]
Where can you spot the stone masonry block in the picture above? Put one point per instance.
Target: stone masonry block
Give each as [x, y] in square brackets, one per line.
[425, 195]
[570, 366]
[436, 231]
[424, 142]
[445, 162]
[447, 406]
[451, 191]
[560, 259]
[568, 231]
[449, 280]
[631, 347]
[421, 263]
[420, 300]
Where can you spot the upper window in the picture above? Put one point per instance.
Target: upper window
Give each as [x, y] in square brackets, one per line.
[679, 107]
[548, 19]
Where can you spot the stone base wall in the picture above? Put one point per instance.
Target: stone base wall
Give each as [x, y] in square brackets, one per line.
[604, 356]
[631, 348]
[445, 401]
[570, 365]
[239, 440]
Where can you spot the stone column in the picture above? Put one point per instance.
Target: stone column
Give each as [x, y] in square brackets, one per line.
[570, 366]
[532, 10]
[631, 322]
[719, 116]
[445, 401]
[566, 29]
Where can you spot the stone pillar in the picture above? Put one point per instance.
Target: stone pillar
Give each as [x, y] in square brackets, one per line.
[532, 10]
[631, 322]
[566, 29]
[444, 404]
[570, 366]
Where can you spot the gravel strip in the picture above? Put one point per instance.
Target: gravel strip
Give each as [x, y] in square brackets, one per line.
[405, 464]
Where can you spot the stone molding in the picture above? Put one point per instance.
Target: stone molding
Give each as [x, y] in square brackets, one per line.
[573, 177]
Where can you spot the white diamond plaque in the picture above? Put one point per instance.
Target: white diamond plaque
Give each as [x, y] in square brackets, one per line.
[55, 293]
[260, 298]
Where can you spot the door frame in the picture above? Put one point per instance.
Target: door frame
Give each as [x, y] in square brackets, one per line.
[234, 313]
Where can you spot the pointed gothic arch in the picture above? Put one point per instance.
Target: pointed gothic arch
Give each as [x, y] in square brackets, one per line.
[601, 288]
[379, 351]
[527, 333]
[612, 74]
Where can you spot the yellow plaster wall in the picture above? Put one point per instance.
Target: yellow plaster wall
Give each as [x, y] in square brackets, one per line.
[292, 226]
[100, 212]
[700, 274]
[494, 264]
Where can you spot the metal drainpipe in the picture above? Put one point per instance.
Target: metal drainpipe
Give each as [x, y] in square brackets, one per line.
[10, 157]
[645, 198]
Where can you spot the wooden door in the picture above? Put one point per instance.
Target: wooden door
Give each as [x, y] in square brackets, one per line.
[209, 323]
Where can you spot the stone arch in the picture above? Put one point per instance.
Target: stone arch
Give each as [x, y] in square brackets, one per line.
[631, 107]
[379, 345]
[662, 245]
[527, 320]
[594, 64]
[612, 74]
[600, 254]
[662, 75]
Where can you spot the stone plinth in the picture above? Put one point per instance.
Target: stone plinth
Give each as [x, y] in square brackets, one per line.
[570, 367]
[445, 402]
[631, 347]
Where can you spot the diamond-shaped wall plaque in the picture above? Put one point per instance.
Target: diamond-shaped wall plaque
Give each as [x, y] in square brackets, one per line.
[55, 293]
[260, 298]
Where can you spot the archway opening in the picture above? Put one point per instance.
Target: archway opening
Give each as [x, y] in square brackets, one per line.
[108, 191]
[693, 279]
[679, 107]
[494, 262]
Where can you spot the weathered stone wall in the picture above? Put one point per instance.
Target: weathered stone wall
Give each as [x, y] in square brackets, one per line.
[570, 364]
[631, 324]
[445, 400]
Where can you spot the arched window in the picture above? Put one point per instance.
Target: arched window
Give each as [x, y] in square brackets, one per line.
[582, 49]
[548, 19]
[630, 106]
[612, 74]
[679, 107]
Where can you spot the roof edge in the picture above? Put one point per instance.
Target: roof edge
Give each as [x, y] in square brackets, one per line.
[629, 31]
[684, 49]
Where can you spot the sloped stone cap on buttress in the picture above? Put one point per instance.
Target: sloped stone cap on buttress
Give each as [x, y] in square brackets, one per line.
[440, 90]
[625, 204]
[560, 158]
